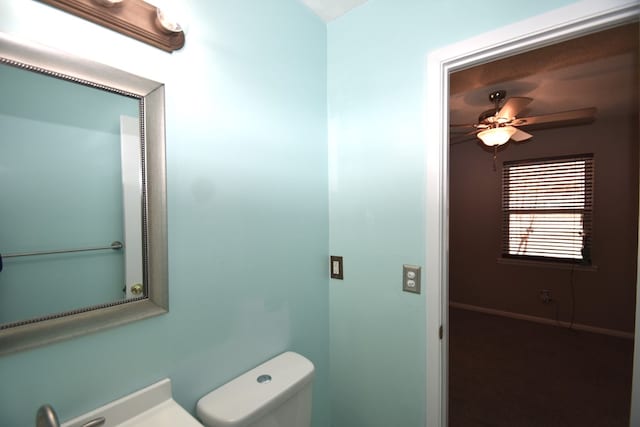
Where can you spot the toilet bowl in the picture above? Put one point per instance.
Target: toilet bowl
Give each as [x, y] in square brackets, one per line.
[274, 394]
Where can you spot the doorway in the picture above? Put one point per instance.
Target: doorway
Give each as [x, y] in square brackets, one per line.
[559, 25]
[541, 268]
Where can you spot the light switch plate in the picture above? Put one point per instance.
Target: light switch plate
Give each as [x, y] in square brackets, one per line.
[335, 266]
[411, 278]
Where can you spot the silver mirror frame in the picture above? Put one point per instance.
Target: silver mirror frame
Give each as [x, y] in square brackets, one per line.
[151, 94]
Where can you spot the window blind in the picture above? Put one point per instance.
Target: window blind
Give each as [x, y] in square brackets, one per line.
[548, 209]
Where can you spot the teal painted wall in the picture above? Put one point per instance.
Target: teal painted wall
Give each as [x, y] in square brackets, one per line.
[247, 209]
[376, 78]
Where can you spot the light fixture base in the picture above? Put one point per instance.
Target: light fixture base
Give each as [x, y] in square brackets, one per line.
[497, 95]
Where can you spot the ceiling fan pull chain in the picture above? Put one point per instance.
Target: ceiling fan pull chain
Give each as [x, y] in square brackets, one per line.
[495, 154]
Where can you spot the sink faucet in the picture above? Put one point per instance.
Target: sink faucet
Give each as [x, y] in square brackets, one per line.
[47, 417]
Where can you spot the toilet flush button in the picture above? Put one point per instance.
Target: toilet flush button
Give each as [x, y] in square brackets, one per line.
[263, 379]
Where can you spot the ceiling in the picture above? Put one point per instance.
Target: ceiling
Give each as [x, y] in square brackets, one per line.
[598, 70]
[329, 10]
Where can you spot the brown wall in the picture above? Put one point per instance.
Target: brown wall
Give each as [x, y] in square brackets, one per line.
[605, 297]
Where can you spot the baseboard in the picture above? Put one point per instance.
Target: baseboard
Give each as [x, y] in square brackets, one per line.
[544, 321]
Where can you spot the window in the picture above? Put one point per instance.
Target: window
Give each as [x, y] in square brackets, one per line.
[548, 208]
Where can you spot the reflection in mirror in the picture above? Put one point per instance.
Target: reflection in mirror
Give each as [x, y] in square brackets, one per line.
[61, 153]
[83, 231]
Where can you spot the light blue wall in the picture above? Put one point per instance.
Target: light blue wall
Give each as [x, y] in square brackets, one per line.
[247, 201]
[376, 77]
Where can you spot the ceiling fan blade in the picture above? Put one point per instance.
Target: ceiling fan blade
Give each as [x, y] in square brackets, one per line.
[513, 106]
[521, 135]
[457, 128]
[582, 115]
[458, 139]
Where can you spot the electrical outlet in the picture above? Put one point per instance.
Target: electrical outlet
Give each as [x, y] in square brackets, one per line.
[545, 296]
[411, 278]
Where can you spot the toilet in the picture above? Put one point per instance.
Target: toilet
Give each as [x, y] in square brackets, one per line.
[274, 394]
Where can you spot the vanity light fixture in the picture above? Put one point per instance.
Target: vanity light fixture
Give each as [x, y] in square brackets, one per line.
[497, 135]
[134, 18]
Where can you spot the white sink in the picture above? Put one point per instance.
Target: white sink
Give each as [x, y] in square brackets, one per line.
[152, 406]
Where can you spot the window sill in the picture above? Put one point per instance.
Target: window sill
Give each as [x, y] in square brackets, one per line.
[546, 264]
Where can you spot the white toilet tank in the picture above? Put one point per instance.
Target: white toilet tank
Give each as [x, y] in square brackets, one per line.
[275, 394]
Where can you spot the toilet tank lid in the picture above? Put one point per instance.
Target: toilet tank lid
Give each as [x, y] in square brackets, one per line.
[245, 398]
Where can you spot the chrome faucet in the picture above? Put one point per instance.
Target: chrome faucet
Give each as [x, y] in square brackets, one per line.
[47, 417]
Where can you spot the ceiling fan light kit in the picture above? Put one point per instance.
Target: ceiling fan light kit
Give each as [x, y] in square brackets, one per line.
[496, 136]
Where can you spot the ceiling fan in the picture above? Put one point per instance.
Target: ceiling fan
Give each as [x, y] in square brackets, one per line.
[501, 124]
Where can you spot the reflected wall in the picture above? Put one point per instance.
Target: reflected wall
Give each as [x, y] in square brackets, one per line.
[60, 163]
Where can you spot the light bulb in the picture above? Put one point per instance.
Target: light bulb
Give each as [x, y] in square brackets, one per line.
[109, 3]
[166, 22]
[169, 15]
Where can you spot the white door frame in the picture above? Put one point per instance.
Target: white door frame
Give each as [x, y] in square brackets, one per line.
[568, 22]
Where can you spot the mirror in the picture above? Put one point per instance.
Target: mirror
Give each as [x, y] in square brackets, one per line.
[83, 242]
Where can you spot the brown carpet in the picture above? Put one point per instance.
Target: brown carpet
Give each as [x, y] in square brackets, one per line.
[514, 373]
